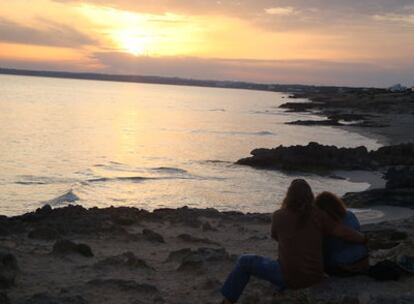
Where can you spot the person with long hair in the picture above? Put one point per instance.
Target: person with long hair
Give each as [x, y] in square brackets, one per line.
[341, 258]
[299, 228]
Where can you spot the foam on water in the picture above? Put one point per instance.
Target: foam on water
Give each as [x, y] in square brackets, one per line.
[68, 197]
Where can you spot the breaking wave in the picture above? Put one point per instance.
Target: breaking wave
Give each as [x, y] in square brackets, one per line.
[68, 197]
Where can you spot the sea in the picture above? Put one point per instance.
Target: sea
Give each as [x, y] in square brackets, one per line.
[102, 143]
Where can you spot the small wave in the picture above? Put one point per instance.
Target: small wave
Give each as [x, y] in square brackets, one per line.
[68, 197]
[30, 183]
[42, 180]
[122, 178]
[258, 133]
[170, 170]
[265, 133]
[216, 161]
[217, 110]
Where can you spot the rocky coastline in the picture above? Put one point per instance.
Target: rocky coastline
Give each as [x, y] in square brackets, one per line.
[128, 255]
[74, 255]
[395, 162]
[379, 113]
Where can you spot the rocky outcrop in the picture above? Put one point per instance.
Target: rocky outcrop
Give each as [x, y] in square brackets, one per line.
[316, 157]
[8, 269]
[196, 240]
[313, 157]
[197, 260]
[44, 298]
[124, 285]
[127, 260]
[400, 177]
[399, 191]
[181, 270]
[336, 123]
[65, 247]
[153, 236]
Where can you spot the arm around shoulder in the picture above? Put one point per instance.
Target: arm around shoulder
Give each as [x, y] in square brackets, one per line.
[349, 234]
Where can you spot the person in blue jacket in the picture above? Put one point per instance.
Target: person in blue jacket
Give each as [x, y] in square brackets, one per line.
[341, 257]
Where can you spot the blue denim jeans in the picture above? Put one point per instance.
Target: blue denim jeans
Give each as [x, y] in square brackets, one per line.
[247, 265]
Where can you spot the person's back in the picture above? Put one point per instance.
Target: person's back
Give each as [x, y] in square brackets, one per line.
[339, 253]
[341, 257]
[300, 244]
[299, 228]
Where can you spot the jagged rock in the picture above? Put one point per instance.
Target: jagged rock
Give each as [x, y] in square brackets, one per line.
[402, 154]
[211, 283]
[4, 298]
[64, 247]
[127, 259]
[258, 238]
[400, 177]
[178, 255]
[183, 216]
[44, 233]
[44, 298]
[4, 226]
[384, 238]
[195, 260]
[390, 197]
[324, 122]
[124, 285]
[315, 157]
[153, 236]
[191, 239]
[300, 106]
[207, 227]
[8, 269]
[406, 298]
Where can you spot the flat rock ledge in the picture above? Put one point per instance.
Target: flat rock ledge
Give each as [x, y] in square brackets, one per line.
[315, 157]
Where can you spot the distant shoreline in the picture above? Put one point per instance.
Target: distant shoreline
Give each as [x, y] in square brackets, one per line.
[227, 84]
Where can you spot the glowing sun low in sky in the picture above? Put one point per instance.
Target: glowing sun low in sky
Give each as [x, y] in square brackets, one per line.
[134, 43]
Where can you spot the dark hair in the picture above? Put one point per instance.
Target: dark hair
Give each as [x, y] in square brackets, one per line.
[331, 204]
[299, 198]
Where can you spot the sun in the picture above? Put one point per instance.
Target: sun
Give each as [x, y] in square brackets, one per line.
[133, 42]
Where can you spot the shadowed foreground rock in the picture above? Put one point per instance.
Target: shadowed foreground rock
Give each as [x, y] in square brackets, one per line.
[8, 270]
[130, 266]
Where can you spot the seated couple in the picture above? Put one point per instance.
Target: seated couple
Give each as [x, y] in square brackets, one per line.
[315, 235]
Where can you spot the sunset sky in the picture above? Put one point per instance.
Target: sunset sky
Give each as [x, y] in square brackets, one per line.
[353, 42]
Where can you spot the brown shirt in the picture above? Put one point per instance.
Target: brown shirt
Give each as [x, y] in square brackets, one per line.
[300, 246]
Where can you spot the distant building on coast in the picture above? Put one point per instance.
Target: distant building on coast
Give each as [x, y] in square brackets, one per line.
[398, 88]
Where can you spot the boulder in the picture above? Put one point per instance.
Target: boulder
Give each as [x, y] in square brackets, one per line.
[197, 259]
[208, 227]
[44, 298]
[124, 285]
[375, 197]
[126, 259]
[153, 236]
[44, 233]
[65, 247]
[8, 269]
[315, 157]
[191, 239]
[4, 298]
[400, 177]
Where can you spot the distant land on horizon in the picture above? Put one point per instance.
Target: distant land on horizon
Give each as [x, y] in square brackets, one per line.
[231, 84]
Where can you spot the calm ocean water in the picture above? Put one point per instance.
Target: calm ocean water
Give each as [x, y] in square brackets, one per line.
[150, 146]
